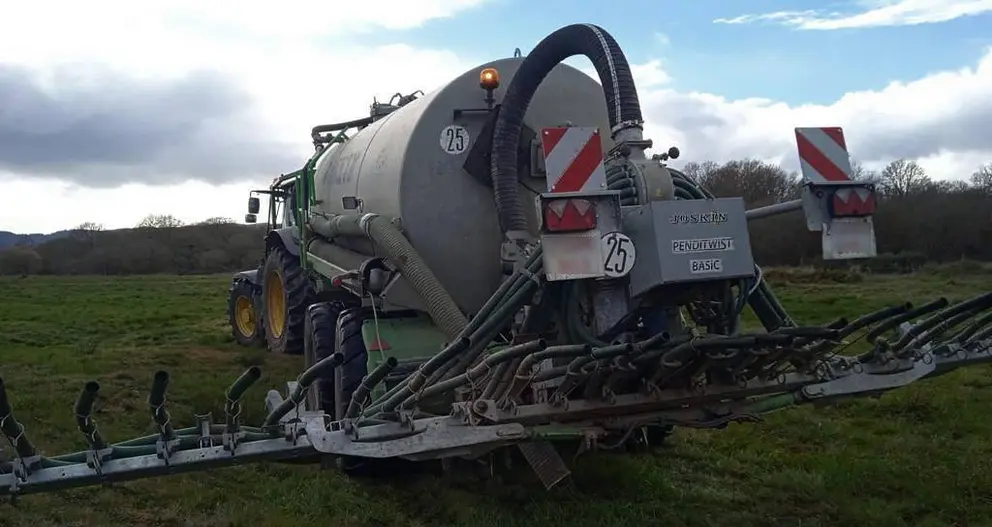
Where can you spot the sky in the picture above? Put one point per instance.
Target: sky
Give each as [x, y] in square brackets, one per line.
[112, 109]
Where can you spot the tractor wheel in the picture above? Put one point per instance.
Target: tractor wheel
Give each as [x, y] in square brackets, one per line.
[242, 314]
[286, 292]
[321, 322]
[331, 326]
[356, 358]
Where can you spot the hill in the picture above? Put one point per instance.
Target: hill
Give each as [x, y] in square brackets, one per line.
[10, 239]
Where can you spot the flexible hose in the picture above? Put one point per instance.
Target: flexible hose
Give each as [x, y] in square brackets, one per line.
[440, 306]
[622, 104]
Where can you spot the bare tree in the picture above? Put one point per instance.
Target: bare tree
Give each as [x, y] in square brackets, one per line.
[982, 178]
[89, 226]
[86, 232]
[160, 221]
[755, 181]
[862, 174]
[902, 177]
[699, 171]
[216, 220]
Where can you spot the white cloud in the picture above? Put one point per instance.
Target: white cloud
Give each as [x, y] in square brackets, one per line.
[32, 206]
[293, 82]
[292, 68]
[938, 119]
[872, 13]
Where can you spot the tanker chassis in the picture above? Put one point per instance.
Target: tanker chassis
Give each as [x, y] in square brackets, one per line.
[501, 265]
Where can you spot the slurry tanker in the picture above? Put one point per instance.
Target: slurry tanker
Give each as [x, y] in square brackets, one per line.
[498, 265]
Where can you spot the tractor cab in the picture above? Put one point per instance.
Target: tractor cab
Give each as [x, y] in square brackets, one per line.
[282, 211]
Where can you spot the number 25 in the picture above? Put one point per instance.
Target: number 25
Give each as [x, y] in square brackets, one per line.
[617, 250]
[456, 139]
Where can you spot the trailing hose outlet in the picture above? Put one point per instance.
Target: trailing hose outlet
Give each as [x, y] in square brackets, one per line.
[623, 106]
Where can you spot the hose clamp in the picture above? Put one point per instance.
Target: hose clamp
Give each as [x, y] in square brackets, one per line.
[623, 125]
[366, 220]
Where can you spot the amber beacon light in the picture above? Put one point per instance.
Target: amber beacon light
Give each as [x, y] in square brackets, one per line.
[489, 79]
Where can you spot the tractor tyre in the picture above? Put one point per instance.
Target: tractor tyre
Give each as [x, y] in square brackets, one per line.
[356, 358]
[286, 293]
[319, 343]
[242, 314]
[335, 327]
[332, 326]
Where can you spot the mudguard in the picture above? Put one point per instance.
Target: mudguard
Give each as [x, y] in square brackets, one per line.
[287, 236]
[251, 276]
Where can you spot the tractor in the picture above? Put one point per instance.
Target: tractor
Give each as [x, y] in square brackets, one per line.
[250, 324]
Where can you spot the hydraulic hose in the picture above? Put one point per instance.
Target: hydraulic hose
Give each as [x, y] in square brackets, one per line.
[622, 104]
[440, 305]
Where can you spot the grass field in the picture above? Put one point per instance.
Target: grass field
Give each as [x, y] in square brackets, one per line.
[918, 456]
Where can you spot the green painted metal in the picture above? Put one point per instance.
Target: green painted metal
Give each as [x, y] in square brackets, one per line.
[305, 192]
[414, 338]
[322, 267]
[555, 432]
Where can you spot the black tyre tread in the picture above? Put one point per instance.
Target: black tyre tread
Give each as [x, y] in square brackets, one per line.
[350, 342]
[321, 322]
[299, 295]
[242, 287]
[326, 321]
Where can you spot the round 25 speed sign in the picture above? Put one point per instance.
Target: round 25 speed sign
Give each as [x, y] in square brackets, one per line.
[619, 254]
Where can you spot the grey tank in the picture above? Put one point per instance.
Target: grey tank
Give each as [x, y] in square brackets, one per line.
[398, 167]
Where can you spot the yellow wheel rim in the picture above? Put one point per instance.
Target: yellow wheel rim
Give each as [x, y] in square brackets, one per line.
[244, 316]
[275, 301]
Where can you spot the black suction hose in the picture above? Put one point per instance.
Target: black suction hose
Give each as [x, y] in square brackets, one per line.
[622, 104]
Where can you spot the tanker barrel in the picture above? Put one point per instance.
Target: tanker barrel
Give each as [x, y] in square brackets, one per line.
[156, 403]
[84, 420]
[369, 382]
[232, 407]
[878, 330]
[302, 384]
[13, 430]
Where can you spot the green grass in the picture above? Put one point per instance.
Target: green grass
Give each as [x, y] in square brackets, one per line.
[918, 456]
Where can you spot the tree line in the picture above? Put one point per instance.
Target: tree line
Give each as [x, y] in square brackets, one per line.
[919, 220]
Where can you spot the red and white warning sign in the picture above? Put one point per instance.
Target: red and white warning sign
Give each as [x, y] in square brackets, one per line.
[573, 158]
[823, 154]
[849, 202]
